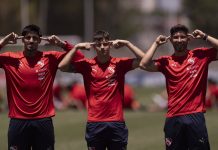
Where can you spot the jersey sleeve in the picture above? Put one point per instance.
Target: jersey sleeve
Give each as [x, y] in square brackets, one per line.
[160, 63]
[4, 58]
[125, 64]
[80, 66]
[210, 53]
[78, 54]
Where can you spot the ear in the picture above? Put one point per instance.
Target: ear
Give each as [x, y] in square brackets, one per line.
[39, 40]
[189, 38]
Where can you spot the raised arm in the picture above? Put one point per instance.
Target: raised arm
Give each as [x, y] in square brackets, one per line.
[55, 40]
[9, 39]
[147, 63]
[65, 65]
[201, 35]
[137, 52]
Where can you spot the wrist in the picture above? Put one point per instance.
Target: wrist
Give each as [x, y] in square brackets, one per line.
[205, 37]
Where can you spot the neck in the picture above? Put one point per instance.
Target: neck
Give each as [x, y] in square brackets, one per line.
[28, 53]
[103, 59]
[180, 53]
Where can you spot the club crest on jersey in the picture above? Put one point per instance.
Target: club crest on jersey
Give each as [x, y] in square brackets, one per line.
[191, 61]
[168, 141]
[111, 70]
[94, 69]
[41, 63]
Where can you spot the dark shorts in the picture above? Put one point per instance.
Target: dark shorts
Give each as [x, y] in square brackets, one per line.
[110, 135]
[186, 132]
[37, 134]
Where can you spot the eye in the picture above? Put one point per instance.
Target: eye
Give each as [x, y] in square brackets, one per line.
[98, 44]
[106, 44]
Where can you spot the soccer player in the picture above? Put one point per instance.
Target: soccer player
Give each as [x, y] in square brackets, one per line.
[104, 84]
[29, 78]
[186, 74]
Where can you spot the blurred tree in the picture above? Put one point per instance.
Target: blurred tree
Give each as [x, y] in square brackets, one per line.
[65, 17]
[9, 17]
[120, 21]
[203, 15]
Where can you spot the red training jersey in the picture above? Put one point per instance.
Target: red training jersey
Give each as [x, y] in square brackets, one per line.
[186, 80]
[29, 82]
[104, 85]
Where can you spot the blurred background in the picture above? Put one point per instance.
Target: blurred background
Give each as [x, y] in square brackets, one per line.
[139, 21]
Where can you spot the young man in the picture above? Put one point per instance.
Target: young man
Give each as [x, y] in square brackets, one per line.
[29, 77]
[186, 74]
[104, 84]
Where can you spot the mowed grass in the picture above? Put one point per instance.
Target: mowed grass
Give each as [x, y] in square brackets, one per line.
[145, 128]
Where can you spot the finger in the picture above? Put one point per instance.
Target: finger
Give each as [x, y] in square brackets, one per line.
[191, 35]
[44, 38]
[168, 37]
[20, 37]
[92, 44]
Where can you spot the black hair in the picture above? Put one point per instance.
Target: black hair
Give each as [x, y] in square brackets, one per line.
[101, 34]
[177, 28]
[31, 28]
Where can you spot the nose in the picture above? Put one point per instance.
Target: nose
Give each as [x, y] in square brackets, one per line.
[102, 46]
[31, 39]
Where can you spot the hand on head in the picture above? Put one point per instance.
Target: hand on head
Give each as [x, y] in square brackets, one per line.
[198, 34]
[161, 39]
[119, 43]
[12, 38]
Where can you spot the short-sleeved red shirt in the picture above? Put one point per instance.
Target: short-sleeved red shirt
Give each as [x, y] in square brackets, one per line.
[186, 80]
[29, 82]
[104, 85]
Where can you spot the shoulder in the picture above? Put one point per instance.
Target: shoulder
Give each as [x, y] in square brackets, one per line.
[163, 58]
[18, 54]
[122, 59]
[52, 52]
[199, 49]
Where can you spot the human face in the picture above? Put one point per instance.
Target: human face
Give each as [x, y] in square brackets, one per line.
[102, 47]
[31, 42]
[179, 41]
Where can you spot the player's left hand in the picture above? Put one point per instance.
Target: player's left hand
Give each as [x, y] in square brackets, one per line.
[198, 34]
[55, 40]
[119, 43]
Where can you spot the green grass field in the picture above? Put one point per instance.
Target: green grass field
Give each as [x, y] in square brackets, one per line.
[145, 128]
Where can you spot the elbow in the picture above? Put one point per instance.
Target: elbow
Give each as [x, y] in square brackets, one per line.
[142, 66]
[62, 67]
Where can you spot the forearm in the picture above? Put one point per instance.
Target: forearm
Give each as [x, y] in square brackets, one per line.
[147, 58]
[2, 43]
[213, 41]
[65, 64]
[137, 52]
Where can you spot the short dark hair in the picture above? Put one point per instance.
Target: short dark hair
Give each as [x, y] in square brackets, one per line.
[31, 28]
[101, 34]
[177, 28]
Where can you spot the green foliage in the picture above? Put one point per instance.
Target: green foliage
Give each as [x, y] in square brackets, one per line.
[145, 128]
[203, 15]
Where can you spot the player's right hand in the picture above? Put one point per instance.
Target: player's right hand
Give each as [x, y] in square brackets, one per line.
[161, 39]
[11, 38]
[84, 46]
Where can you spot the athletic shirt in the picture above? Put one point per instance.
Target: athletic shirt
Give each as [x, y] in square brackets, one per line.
[104, 85]
[186, 80]
[29, 82]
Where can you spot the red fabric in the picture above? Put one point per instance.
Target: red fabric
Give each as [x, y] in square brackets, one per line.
[78, 93]
[29, 83]
[186, 80]
[104, 84]
[128, 96]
